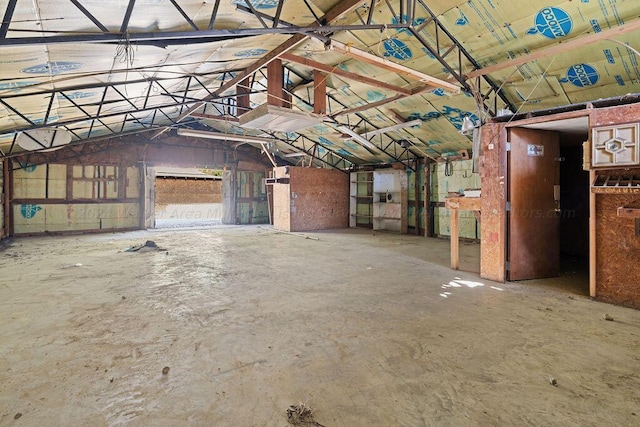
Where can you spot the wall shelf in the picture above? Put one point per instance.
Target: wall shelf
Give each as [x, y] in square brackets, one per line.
[361, 199]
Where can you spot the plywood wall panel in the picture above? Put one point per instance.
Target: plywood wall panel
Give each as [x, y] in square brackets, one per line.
[3, 226]
[618, 251]
[615, 115]
[186, 191]
[319, 199]
[493, 211]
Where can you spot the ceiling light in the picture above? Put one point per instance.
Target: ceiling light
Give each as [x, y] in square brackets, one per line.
[412, 123]
[222, 136]
[467, 126]
[357, 137]
[43, 139]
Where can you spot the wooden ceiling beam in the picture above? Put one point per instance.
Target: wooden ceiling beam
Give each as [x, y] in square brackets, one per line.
[392, 66]
[558, 48]
[342, 73]
[335, 13]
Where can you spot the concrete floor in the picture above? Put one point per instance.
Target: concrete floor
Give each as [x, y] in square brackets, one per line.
[368, 329]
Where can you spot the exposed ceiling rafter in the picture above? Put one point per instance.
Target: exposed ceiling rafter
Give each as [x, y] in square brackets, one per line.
[559, 48]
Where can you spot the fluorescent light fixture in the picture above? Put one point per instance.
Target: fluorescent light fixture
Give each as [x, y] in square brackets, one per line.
[295, 155]
[223, 136]
[391, 128]
[357, 137]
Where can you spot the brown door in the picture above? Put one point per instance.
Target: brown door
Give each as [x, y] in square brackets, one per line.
[534, 224]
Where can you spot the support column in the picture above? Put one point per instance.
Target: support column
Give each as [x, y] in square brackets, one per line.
[243, 101]
[428, 213]
[416, 201]
[7, 186]
[275, 81]
[319, 92]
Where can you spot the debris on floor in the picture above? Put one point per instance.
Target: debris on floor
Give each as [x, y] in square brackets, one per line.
[78, 264]
[165, 370]
[553, 382]
[607, 317]
[301, 415]
[148, 246]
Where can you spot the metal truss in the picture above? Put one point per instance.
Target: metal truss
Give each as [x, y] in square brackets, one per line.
[79, 149]
[145, 114]
[442, 37]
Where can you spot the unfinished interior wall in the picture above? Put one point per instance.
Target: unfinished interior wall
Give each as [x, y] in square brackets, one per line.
[361, 199]
[617, 232]
[251, 198]
[312, 199]
[3, 231]
[59, 198]
[415, 200]
[188, 198]
[618, 250]
[453, 178]
[493, 170]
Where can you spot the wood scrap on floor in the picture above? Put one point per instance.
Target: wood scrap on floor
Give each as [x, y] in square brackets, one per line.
[148, 246]
[301, 415]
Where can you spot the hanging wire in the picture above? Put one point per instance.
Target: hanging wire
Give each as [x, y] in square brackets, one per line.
[125, 52]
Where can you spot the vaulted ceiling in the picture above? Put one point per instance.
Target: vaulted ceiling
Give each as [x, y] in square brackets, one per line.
[367, 82]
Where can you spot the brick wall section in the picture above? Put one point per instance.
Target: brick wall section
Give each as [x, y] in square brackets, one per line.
[170, 191]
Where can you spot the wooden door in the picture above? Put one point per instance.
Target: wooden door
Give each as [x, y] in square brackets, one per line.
[533, 221]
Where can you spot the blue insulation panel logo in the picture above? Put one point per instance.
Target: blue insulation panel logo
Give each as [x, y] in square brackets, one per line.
[324, 140]
[552, 22]
[250, 52]
[581, 75]
[53, 68]
[374, 96]
[397, 49]
[29, 211]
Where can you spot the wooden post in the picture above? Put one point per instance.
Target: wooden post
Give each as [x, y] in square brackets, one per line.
[428, 216]
[7, 184]
[275, 81]
[319, 92]
[592, 237]
[243, 100]
[416, 201]
[454, 239]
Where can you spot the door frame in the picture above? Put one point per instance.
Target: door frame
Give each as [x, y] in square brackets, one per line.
[547, 122]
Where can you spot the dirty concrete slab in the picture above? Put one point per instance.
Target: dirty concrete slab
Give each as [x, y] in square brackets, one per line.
[368, 330]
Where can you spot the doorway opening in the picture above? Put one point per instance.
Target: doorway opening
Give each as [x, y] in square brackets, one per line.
[187, 197]
[573, 205]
